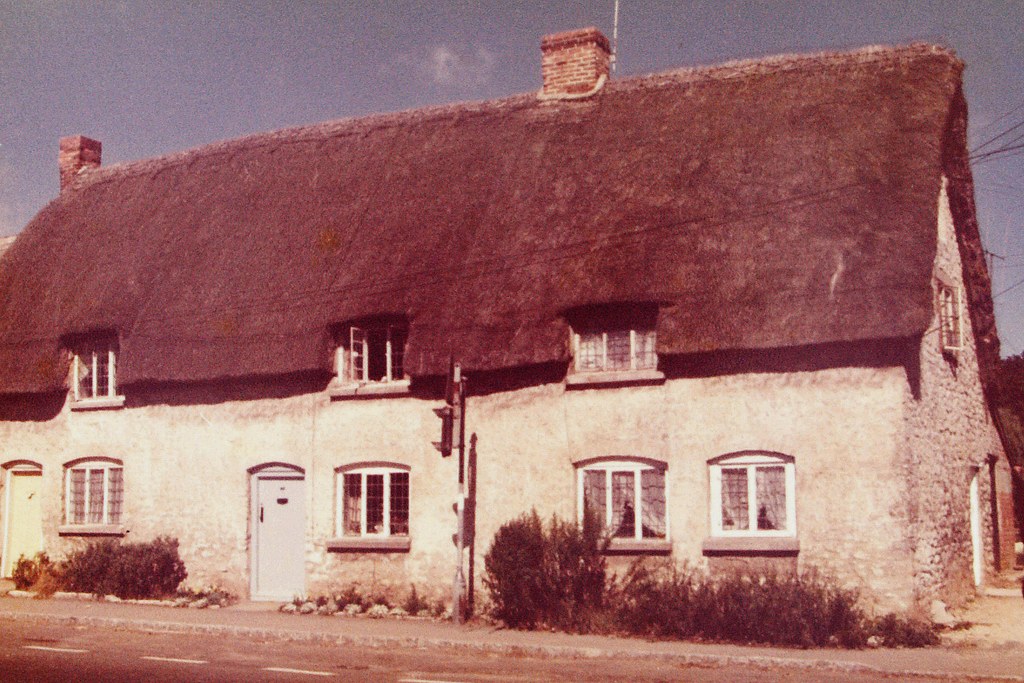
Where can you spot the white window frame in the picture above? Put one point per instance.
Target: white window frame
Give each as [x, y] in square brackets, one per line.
[621, 464]
[387, 470]
[634, 356]
[91, 357]
[352, 361]
[750, 462]
[949, 304]
[89, 466]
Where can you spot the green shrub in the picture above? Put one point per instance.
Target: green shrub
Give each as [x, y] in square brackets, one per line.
[900, 631]
[553, 576]
[27, 572]
[129, 570]
[778, 609]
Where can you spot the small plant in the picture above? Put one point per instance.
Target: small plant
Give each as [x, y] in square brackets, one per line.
[27, 573]
[214, 595]
[351, 596]
[900, 631]
[414, 603]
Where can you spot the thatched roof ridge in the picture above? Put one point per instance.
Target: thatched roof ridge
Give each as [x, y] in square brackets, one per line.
[865, 57]
[763, 203]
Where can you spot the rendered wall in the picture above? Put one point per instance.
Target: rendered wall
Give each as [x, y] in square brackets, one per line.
[186, 463]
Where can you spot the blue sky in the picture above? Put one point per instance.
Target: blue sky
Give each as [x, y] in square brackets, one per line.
[152, 77]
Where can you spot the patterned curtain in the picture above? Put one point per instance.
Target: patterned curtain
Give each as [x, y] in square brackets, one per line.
[77, 502]
[735, 513]
[652, 503]
[594, 495]
[353, 501]
[771, 498]
[95, 496]
[623, 505]
[399, 503]
[115, 493]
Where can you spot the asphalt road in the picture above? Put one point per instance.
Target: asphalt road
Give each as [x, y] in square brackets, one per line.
[48, 652]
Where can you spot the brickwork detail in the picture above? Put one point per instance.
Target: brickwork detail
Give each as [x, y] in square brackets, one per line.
[77, 152]
[572, 62]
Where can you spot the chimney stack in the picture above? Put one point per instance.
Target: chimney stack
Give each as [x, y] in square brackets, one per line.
[573, 62]
[76, 153]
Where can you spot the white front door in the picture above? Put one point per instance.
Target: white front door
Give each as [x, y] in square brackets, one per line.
[977, 546]
[24, 533]
[279, 540]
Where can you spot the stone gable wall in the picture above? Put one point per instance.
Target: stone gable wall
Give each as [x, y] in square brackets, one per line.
[949, 438]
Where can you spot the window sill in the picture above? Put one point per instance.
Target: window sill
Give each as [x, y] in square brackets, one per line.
[751, 545]
[101, 403]
[91, 530]
[386, 544]
[647, 546]
[369, 390]
[591, 380]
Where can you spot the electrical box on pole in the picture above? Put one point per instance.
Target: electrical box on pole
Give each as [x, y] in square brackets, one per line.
[447, 412]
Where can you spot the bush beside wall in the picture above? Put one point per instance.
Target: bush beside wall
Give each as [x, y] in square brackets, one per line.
[555, 576]
[128, 570]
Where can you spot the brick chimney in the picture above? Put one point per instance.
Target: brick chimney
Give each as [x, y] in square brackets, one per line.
[77, 152]
[574, 61]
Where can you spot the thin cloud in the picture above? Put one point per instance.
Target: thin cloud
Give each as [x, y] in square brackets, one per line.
[449, 66]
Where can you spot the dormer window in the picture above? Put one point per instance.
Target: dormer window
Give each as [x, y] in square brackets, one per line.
[94, 374]
[369, 358]
[373, 354]
[615, 350]
[614, 343]
[950, 313]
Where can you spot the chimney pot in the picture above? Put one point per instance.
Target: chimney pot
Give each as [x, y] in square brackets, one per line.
[77, 152]
[573, 62]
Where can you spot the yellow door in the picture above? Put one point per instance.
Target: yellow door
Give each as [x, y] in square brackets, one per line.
[25, 522]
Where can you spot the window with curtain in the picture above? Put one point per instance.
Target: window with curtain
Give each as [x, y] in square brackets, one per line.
[753, 493]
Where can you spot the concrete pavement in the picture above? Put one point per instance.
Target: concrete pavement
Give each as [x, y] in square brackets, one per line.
[963, 659]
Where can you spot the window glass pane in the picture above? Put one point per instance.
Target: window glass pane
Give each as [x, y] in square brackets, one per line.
[400, 503]
[652, 504]
[357, 354]
[590, 351]
[115, 493]
[95, 515]
[646, 358]
[397, 353]
[77, 501]
[376, 351]
[84, 375]
[102, 372]
[594, 495]
[375, 503]
[623, 505]
[771, 498]
[734, 499]
[350, 510]
[618, 350]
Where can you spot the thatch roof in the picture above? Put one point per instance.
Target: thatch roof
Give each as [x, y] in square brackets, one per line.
[761, 204]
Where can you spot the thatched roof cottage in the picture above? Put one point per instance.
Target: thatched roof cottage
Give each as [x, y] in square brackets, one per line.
[742, 311]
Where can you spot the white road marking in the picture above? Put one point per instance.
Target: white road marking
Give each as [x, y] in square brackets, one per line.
[298, 671]
[53, 649]
[175, 660]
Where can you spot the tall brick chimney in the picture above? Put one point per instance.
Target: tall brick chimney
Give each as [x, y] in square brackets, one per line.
[573, 62]
[77, 152]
